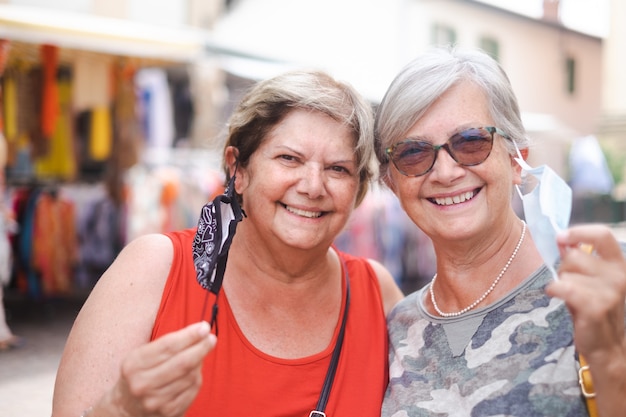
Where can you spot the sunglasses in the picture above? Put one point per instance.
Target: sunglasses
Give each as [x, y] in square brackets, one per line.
[470, 147]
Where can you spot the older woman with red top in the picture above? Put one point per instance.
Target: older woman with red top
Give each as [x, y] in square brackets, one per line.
[297, 159]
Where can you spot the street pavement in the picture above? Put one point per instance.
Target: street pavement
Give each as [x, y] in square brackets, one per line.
[27, 373]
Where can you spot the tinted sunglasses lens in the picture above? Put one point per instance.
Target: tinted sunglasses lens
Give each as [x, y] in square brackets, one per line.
[413, 157]
[472, 146]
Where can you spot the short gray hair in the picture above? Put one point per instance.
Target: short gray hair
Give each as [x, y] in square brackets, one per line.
[427, 77]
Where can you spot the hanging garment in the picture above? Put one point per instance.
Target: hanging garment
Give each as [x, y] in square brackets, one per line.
[27, 278]
[9, 107]
[49, 93]
[101, 137]
[29, 107]
[54, 242]
[128, 132]
[8, 227]
[183, 105]
[157, 107]
[6, 256]
[60, 161]
[99, 236]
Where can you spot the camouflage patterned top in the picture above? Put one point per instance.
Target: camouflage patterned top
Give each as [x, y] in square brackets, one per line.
[512, 358]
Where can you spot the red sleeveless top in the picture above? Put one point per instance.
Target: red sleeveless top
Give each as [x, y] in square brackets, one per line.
[240, 380]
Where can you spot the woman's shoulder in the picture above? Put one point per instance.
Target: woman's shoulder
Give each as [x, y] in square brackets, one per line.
[153, 245]
[410, 305]
[390, 293]
[143, 264]
[182, 235]
[358, 267]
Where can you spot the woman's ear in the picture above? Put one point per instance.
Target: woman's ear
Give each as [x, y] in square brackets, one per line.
[231, 158]
[524, 153]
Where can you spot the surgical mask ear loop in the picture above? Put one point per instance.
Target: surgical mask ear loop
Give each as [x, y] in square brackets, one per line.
[523, 164]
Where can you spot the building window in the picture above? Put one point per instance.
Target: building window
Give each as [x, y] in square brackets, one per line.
[570, 74]
[491, 46]
[443, 35]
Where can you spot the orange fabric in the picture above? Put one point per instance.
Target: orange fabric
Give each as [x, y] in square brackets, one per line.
[50, 94]
[54, 243]
[239, 380]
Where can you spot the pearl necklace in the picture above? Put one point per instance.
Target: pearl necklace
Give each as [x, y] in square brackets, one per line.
[482, 297]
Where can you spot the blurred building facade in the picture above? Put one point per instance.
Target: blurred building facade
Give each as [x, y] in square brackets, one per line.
[611, 128]
[555, 71]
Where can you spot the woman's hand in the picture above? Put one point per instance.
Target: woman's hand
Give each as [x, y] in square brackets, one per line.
[593, 286]
[161, 378]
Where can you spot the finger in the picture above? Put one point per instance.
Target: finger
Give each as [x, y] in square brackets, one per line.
[170, 381]
[599, 236]
[180, 366]
[580, 293]
[581, 260]
[171, 357]
[165, 347]
[597, 273]
[597, 311]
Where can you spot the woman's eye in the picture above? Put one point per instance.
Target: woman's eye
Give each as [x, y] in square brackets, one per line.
[339, 168]
[413, 149]
[287, 157]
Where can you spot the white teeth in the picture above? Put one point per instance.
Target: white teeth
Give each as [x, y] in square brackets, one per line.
[447, 201]
[304, 213]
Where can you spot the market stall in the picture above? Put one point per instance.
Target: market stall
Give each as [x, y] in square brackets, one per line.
[87, 102]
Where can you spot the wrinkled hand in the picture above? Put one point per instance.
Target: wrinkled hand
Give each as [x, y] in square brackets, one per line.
[593, 286]
[162, 378]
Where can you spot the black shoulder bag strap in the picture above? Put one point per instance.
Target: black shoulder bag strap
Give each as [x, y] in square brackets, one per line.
[332, 368]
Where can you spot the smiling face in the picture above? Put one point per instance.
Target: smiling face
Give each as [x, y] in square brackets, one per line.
[300, 185]
[454, 202]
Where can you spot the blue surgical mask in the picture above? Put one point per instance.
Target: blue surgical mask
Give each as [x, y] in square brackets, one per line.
[547, 209]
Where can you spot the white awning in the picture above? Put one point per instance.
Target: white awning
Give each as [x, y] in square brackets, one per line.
[100, 34]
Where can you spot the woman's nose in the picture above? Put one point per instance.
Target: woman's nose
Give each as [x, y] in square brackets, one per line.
[312, 181]
[445, 167]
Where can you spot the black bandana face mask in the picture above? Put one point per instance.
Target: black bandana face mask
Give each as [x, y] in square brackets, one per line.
[216, 229]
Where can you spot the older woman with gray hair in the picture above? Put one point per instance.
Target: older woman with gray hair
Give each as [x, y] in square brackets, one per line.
[492, 333]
